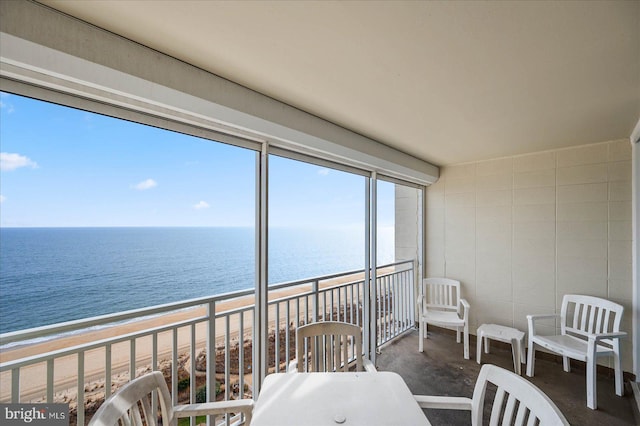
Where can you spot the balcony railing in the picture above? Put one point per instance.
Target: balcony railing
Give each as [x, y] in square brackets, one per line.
[87, 360]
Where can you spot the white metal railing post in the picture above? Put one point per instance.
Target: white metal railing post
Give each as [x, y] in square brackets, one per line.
[241, 354]
[50, 384]
[228, 388]
[80, 393]
[15, 385]
[107, 371]
[154, 367]
[192, 370]
[132, 358]
[276, 341]
[316, 300]
[211, 358]
[174, 365]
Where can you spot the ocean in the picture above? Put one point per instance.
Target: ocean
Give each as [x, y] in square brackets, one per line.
[51, 275]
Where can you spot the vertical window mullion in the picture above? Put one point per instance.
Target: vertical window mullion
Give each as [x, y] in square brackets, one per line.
[260, 319]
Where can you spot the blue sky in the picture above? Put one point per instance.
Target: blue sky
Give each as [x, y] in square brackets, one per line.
[65, 167]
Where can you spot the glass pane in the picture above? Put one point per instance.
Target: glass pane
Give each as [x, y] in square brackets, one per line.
[114, 215]
[386, 223]
[316, 220]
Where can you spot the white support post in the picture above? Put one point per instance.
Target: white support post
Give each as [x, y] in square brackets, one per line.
[366, 297]
[260, 317]
[422, 239]
[374, 263]
[635, 146]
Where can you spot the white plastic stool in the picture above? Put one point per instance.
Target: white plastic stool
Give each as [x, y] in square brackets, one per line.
[502, 334]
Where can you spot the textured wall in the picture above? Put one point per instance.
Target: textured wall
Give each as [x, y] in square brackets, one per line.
[520, 232]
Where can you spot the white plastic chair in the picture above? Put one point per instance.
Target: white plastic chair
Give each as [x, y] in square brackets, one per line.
[329, 346]
[517, 401]
[589, 329]
[441, 304]
[133, 405]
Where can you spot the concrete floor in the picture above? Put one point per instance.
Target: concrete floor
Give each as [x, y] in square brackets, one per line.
[442, 370]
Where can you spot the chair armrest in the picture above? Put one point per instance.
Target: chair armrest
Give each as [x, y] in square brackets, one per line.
[368, 365]
[466, 306]
[612, 335]
[219, 407]
[592, 341]
[531, 321]
[443, 402]
[542, 316]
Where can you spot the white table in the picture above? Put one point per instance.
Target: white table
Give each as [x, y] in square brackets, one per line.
[306, 399]
[503, 334]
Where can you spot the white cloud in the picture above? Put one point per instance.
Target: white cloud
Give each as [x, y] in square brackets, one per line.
[10, 162]
[7, 106]
[145, 184]
[201, 205]
[2, 199]
[323, 172]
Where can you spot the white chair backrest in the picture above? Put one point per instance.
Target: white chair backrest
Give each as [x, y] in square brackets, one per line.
[441, 293]
[328, 346]
[136, 403]
[517, 401]
[582, 315]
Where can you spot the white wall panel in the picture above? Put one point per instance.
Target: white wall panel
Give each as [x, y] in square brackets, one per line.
[521, 232]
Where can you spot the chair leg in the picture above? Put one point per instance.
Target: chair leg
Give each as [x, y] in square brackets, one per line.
[566, 364]
[458, 334]
[618, 374]
[466, 342]
[591, 384]
[486, 345]
[421, 331]
[531, 358]
[479, 347]
[515, 352]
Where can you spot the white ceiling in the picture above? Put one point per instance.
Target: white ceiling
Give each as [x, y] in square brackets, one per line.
[448, 82]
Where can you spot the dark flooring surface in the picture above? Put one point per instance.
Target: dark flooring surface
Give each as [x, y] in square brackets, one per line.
[442, 370]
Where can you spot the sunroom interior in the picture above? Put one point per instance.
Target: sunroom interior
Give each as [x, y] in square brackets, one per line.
[510, 130]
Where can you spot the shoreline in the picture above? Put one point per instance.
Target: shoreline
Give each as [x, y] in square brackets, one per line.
[70, 334]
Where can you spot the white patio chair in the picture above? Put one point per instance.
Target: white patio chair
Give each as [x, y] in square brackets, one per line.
[440, 304]
[589, 329]
[132, 405]
[517, 401]
[329, 346]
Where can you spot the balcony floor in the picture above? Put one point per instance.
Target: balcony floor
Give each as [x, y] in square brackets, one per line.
[442, 370]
